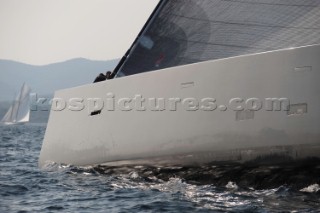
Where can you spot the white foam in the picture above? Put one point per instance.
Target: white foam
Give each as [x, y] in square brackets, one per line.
[232, 185]
[311, 189]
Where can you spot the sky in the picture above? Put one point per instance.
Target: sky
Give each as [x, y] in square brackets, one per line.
[41, 32]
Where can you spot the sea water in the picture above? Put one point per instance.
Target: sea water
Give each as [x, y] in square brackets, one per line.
[208, 188]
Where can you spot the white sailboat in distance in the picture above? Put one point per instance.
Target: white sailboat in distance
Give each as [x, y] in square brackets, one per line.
[19, 112]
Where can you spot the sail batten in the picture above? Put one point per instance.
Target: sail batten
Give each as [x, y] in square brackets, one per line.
[190, 31]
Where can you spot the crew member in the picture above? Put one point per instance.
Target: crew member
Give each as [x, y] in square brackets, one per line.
[108, 75]
[99, 78]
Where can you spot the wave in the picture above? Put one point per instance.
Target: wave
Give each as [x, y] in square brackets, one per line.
[294, 174]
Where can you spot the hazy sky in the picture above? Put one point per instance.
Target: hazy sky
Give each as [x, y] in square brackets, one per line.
[46, 31]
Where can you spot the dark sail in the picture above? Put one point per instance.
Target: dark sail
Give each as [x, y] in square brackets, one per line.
[190, 31]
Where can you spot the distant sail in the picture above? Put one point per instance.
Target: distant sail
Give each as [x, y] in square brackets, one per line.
[19, 112]
[8, 116]
[189, 31]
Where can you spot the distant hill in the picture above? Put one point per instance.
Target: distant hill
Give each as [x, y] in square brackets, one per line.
[44, 80]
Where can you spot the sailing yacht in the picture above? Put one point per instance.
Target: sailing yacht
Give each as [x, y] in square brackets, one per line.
[228, 51]
[19, 112]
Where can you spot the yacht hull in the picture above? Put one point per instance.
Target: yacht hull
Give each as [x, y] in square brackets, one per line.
[187, 135]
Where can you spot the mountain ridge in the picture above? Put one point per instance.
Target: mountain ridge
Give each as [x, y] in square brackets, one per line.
[45, 79]
[6, 62]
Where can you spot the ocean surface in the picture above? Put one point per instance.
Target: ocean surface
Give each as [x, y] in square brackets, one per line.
[209, 188]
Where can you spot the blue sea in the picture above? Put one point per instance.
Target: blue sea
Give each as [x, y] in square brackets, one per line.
[208, 188]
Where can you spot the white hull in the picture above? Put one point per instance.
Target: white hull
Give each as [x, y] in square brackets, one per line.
[79, 139]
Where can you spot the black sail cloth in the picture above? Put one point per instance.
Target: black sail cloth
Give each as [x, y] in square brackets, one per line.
[190, 31]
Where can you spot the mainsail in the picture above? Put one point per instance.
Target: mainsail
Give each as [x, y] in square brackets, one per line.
[19, 112]
[189, 31]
